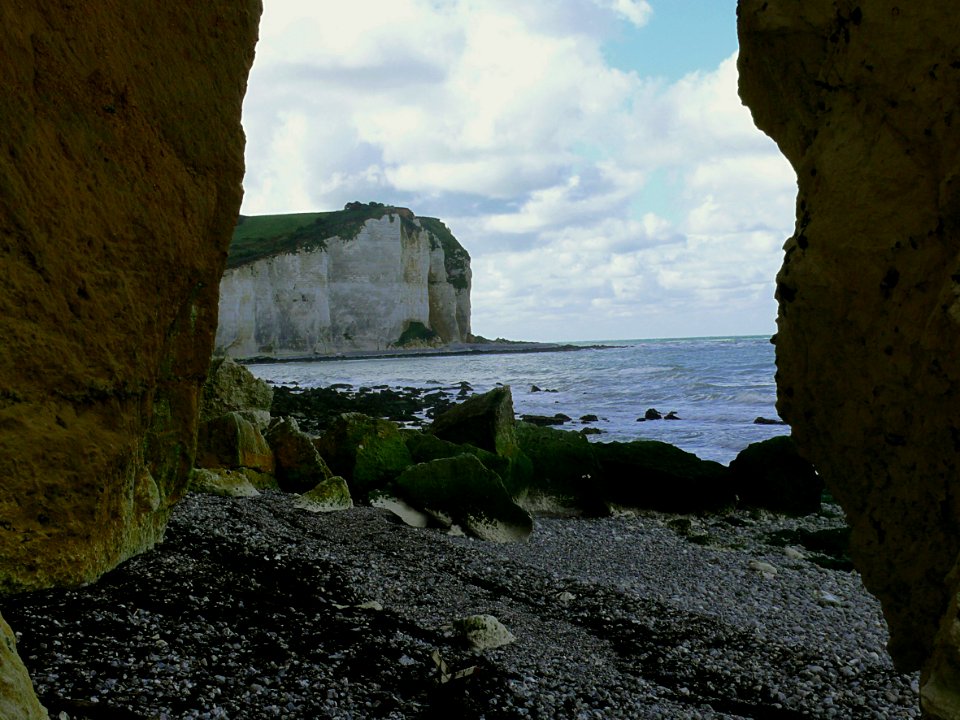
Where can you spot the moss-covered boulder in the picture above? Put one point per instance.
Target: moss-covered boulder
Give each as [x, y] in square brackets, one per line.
[461, 490]
[563, 471]
[329, 496]
[658, 476]
[231, 387]
[485, 421]
[299, 467]
[771, 474]
[367, 451]
[232, 441]
[222, 482]
[425, 447]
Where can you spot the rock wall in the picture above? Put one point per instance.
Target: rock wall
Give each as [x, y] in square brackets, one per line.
[862, 98]
[121, 161]
[361, 292]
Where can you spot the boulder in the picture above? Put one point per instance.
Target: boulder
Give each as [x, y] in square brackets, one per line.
[328, 496]
[120, 184]
[18, 701]
[485, 421]
[658, 476]
[461, 490]
[482, 632]
[861, 99]
[299, 467]
[226, 483]
[230, 387]
[368, 452]
[424, 447]
[771, 474]
[563, 470]
[231, 441]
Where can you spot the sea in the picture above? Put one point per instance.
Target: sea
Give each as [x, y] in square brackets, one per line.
[716, 386]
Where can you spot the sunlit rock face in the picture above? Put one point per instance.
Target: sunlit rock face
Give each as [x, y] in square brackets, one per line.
[862, 98]
[390, 280]
[121, 161]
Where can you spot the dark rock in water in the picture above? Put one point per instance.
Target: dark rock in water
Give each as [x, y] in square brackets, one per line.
[592, 431]
[564, 468]
[317, 407]
[588, 418]
[534, 388]
[658, 476]
[544, 420]
[299, 466]
[461, 490]
[652, 414]
[772, 475]
[485, 421]
[672, 415]
[369, 452]
[768, 421]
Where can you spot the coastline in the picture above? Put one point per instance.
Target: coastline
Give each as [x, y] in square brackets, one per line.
[453, 349]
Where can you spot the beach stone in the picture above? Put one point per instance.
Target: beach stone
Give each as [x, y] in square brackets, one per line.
[223, 482]
[460, 490]
[861, 99]
[120, 183]
[231, 387]
[232, 441]
[299, 467]
[18, 701]
[772, 475]
[328, 496]
[483, 632]
[655, 475]
[368, 452]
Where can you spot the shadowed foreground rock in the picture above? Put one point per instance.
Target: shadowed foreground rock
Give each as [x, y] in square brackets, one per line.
[119, 188]
[862, 98]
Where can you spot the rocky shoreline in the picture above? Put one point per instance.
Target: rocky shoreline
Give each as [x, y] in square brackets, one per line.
[253, 608]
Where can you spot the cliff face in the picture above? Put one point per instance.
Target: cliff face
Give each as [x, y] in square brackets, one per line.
[383, 279]
[121, 161]
[863, 98]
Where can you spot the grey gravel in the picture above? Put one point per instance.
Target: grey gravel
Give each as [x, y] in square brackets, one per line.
[253, 608]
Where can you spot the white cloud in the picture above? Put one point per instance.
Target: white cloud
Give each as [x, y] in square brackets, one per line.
[594, 201]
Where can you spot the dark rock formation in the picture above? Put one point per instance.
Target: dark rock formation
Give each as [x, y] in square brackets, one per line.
[862, 98]
[299, 467]
[771, 474]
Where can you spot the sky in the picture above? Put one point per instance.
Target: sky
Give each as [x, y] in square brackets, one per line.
[592, 156]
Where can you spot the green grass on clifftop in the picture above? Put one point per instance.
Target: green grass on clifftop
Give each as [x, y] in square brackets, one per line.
[261, 236]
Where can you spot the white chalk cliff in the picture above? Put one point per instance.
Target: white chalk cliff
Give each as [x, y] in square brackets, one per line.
[387, 279]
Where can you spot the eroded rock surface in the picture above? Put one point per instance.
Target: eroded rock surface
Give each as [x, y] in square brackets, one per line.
[121, 160]
[862, 98]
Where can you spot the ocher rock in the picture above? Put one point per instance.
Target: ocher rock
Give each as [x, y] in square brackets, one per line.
[862, 99]
[369, 452]
[120, 182]
[231, 441]
[17, 698]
